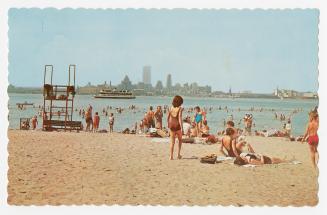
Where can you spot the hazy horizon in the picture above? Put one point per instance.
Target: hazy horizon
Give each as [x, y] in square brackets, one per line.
[254, 50]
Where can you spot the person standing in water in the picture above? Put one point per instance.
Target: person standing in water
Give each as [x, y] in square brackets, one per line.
[174, 120]
[111, 122]
[96, 122]
[288, 128]
[34, 122]
[312, 135]
[150, 118]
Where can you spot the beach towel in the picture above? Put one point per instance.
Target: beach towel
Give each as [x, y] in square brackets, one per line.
[199, 140]
[223, 158]
[249, 166]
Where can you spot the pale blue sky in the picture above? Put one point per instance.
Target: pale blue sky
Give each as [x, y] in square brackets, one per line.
[246, 49]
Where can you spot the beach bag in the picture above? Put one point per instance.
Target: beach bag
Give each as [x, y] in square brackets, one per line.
[210, 159]
[174, 123]
[188, 140]
[161, 133]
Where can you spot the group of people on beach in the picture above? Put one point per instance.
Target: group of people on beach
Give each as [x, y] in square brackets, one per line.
[93, 122]
[233, 144]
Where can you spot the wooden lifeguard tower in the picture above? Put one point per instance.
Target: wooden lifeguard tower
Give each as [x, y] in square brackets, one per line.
[60, 102]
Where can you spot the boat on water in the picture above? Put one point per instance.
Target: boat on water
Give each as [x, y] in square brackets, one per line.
[25, 103]
[114, 94]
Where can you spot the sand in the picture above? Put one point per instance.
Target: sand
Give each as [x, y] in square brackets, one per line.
[91, 168]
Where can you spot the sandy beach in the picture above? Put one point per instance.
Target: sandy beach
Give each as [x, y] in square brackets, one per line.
[97, 168]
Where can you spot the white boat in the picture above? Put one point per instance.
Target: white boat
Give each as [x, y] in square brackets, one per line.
[114, 94]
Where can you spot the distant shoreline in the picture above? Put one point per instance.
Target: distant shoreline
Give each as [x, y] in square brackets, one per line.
[254, 96]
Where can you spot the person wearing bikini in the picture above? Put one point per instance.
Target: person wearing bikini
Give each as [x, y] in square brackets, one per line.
[174, 120]
[312, 134]
[256, 159]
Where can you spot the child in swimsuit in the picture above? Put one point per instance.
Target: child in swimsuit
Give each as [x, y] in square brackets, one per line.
[96, 122]
[198, 120]
[312, 134]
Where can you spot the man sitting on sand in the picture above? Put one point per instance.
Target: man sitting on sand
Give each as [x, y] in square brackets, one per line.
[205, 129]
[187, 126]
[193, 130]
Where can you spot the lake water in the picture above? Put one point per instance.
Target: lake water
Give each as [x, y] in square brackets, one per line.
[263, 120]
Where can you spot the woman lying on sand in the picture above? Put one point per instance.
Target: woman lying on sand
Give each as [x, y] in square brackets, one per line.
[250, 157]
[256, 159]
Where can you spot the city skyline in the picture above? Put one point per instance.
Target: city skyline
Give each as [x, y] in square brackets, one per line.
[165, 85]
[250, 50]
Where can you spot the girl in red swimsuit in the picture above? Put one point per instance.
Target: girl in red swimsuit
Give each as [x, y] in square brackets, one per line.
[312, 135]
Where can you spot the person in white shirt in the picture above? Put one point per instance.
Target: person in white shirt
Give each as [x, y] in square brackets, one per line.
[187, 126]
[288, 128]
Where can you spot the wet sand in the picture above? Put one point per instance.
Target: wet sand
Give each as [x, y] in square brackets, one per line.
[92, 168]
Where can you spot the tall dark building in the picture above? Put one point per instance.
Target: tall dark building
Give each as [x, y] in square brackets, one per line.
[169, 83]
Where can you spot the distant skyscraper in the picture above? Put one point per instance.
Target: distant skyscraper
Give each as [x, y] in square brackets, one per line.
[147, 75]
[169, 83]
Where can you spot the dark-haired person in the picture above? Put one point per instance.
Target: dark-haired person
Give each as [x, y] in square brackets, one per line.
[175, 125]
[256, 159]
[229, 144]
[150, 118]
[187, 127]
[230, 124]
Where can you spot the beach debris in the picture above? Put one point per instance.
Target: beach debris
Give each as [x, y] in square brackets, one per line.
[210, 159]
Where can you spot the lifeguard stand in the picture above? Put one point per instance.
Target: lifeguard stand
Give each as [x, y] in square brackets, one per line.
[60, 100]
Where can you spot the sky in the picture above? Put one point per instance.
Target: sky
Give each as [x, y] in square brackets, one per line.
[256, 50]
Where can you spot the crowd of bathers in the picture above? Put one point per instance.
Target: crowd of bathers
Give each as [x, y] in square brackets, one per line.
[195, 125]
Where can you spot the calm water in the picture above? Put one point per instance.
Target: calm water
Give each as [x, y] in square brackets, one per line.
[262, 120]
